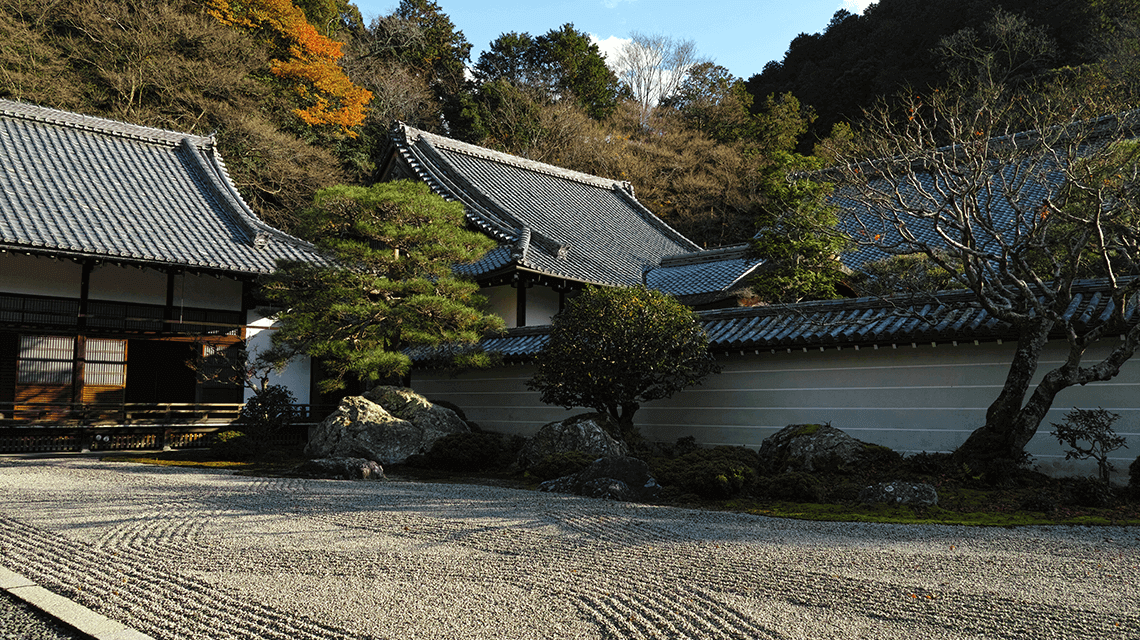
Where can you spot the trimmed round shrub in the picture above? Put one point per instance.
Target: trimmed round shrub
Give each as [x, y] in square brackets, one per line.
[713, 474]
[267, 412]
[473, 451]
[1088, 492]
[234, 446]
[557, 465]
[792, 487]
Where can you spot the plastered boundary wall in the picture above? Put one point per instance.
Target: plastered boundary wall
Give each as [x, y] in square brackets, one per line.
[909, 398]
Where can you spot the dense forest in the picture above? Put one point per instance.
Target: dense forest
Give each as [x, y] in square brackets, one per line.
[898, 43]
[301, 95]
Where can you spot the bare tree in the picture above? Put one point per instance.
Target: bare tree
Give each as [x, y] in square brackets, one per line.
[1018, 218]
[653, 68]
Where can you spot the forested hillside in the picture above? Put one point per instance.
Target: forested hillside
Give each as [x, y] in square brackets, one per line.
[896, 44]
[301, 95]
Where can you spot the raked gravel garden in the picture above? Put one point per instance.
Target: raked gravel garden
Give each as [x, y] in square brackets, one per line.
[200, 553]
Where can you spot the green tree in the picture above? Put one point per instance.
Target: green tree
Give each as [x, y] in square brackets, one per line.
[439, 54]
[715, 102]
[392, 286]
[574, 68]
[613, 348]
[902, 275]
[523, 82]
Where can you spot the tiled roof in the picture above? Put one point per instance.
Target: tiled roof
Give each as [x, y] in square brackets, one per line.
[1009, 199]
[942, 317]
[81, 186]
[704, 272]
[931, 197]
[553, 221]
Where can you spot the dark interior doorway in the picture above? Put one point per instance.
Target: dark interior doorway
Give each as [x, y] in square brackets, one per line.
[157, 371]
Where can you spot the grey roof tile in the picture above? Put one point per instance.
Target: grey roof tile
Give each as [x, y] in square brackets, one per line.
[943, 317]
[702, 272]
[560, 222]
[85, 186]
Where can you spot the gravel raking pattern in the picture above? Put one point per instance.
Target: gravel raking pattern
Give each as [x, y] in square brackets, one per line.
[192, 554]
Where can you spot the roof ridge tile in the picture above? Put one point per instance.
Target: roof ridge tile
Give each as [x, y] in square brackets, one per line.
[96, 124]
[466, 148]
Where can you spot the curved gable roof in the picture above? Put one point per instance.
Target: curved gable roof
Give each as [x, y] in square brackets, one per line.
[555, 221]
[82, 186]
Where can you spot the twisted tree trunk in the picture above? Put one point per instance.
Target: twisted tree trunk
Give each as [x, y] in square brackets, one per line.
[1012, 421]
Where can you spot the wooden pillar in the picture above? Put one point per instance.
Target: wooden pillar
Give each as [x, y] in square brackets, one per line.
[168, 308]
[520, 302]
[80, 350]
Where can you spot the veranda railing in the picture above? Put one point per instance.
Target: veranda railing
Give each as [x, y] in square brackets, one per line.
[64, 427]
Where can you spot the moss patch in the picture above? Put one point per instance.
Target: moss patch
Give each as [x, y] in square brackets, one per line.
[806, 430]
[274, 463]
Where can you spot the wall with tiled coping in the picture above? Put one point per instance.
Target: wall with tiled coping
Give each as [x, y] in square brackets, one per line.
[910, 398]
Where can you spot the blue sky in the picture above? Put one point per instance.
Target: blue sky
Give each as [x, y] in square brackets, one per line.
[741, 35]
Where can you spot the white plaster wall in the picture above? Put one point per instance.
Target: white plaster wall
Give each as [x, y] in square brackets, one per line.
[31, 275]
[541, 305]
[148, 286]
[496, 399]
[502, 301]
[911, 399]
[128, 284]
[207, 291]
[296, 377]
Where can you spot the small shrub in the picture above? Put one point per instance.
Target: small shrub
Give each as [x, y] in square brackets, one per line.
[792, 487]
[234, 446]
[1087, 492]
[1095, 427]
[876, 456]
[557, 465]
[685, 445]
[931, 464]
[267, 413]
[1042, 502]
[472, 451]
[844, 492]
[714, 474]
[716, 480]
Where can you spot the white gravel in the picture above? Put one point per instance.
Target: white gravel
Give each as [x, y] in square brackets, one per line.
[196, 554]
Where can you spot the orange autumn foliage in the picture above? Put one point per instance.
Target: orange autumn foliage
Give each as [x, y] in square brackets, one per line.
[311, 64]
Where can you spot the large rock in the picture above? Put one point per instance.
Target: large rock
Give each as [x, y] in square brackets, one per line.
[911, 493]
[613, 478]
[810, 448]
[582, 432]
[340, 469]
[386, 425]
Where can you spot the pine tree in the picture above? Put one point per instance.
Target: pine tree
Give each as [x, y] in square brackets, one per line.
[391, 286]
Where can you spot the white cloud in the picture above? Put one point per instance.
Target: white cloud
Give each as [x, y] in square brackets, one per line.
[857, 6]
[610, 47]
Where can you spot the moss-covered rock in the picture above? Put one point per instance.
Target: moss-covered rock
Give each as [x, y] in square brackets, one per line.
[815, 448]
[588, 433]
